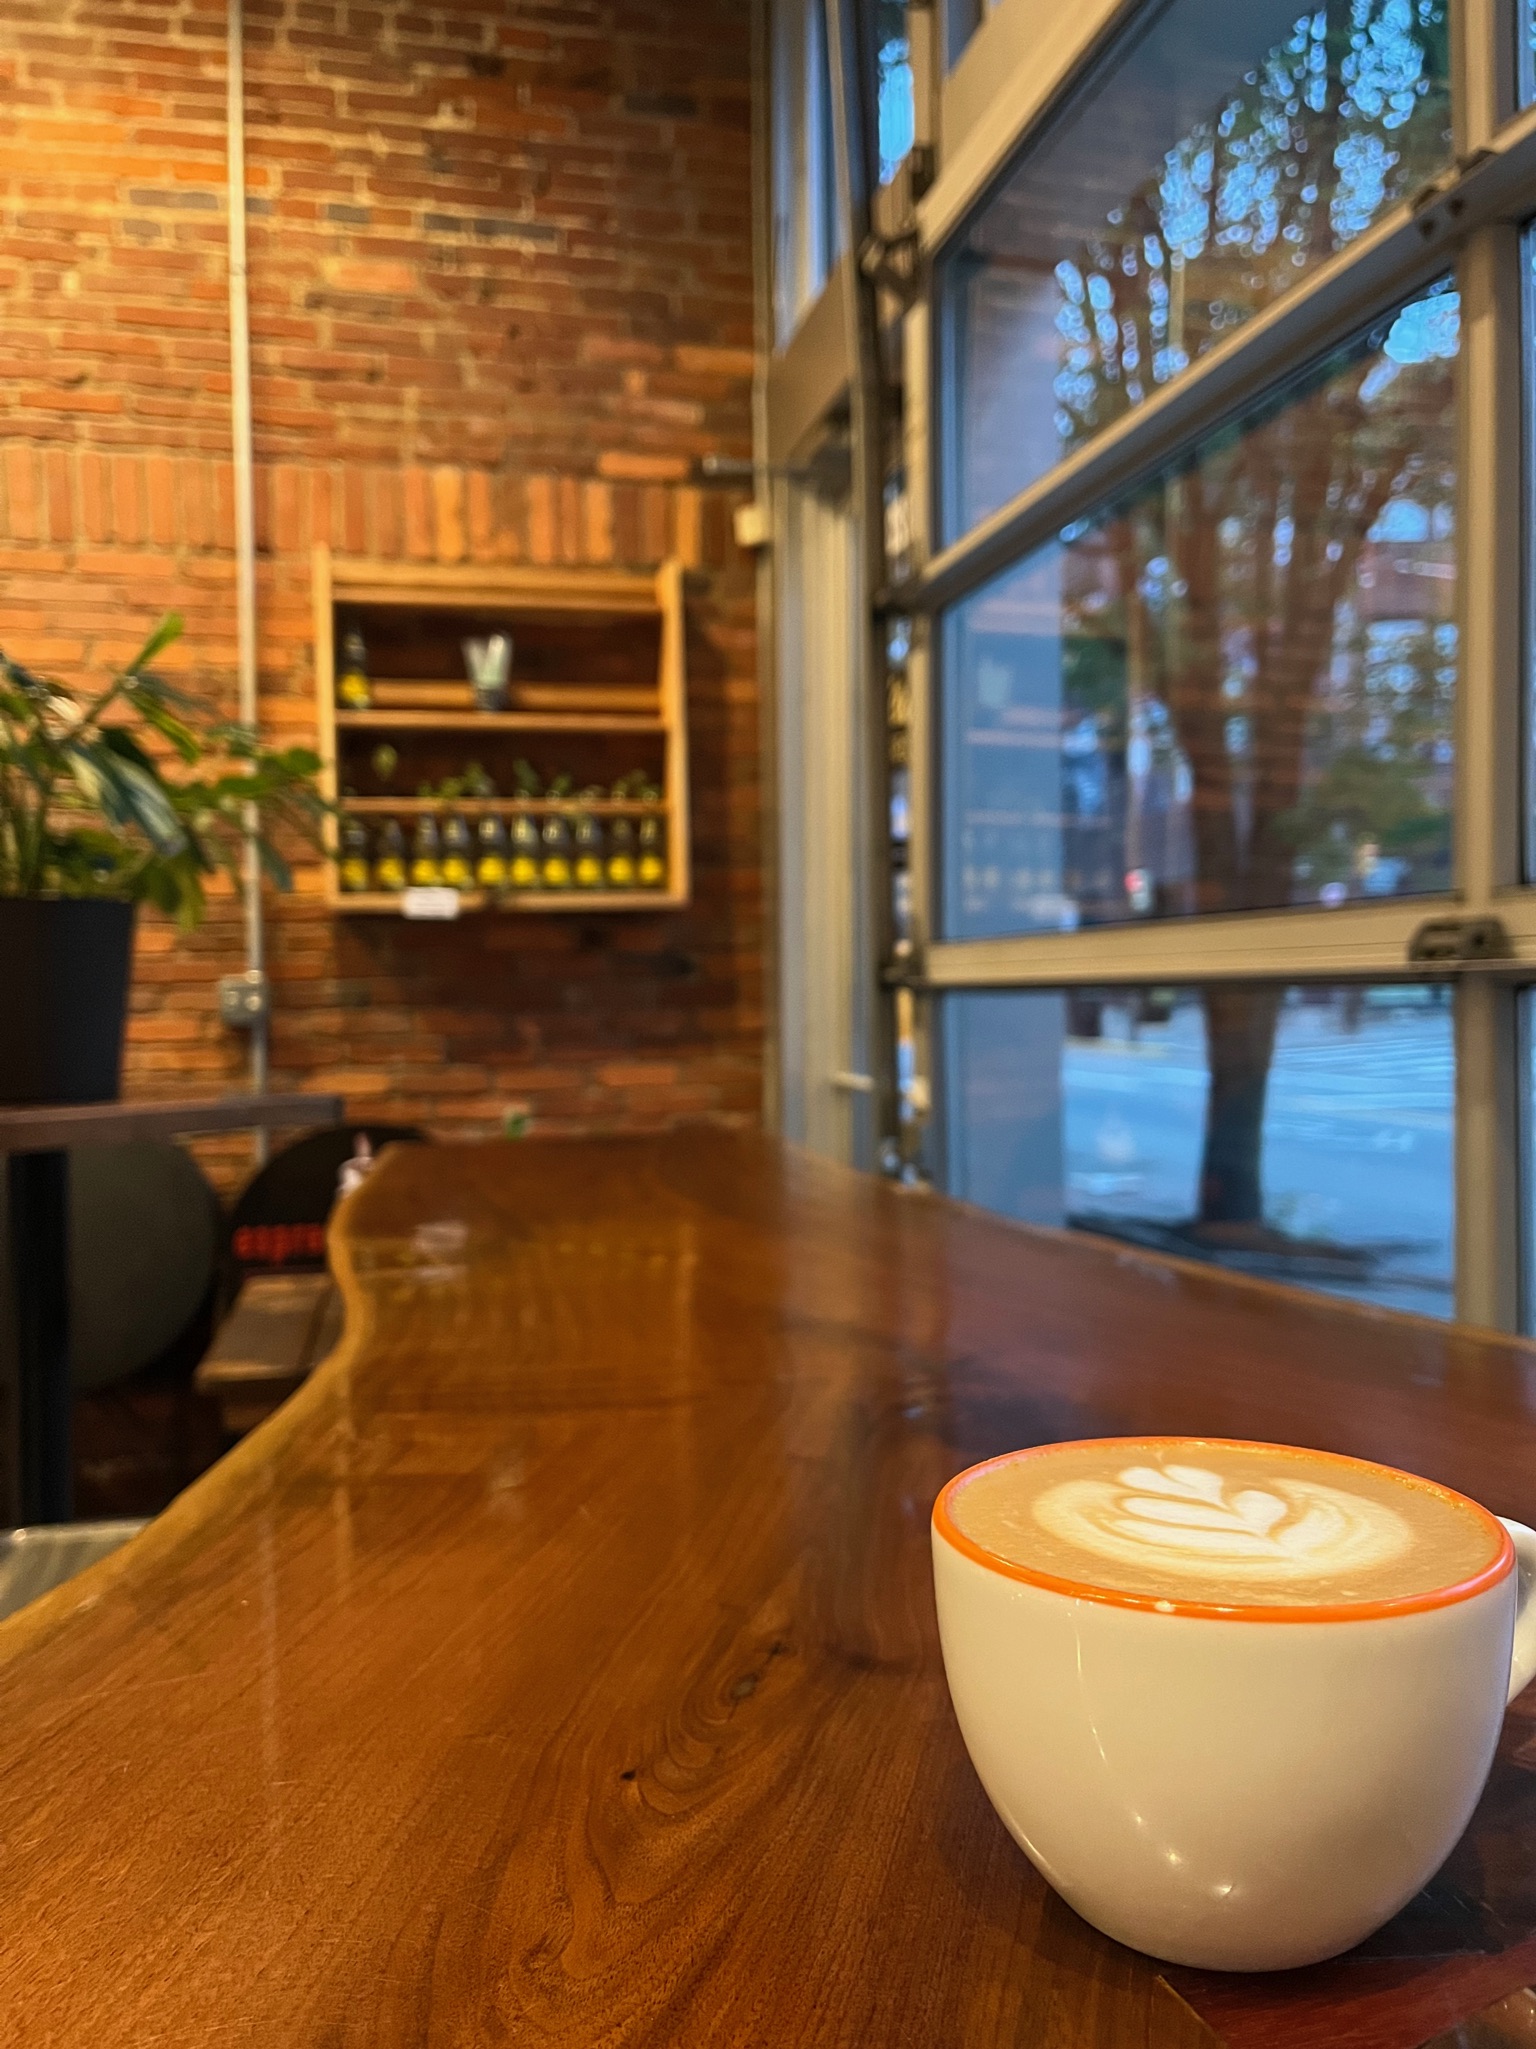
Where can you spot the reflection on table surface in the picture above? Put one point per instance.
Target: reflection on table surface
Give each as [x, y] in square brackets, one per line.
[561, 1664]
[1506, 2023]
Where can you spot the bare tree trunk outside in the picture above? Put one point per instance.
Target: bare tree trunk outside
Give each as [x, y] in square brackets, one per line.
[1240, 1023]
[1252, 591]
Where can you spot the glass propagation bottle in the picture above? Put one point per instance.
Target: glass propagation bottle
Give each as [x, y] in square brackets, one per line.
[555, 857]
[352, 688]
[525, 867]
[458, 854]
[426, 853]
[651, 839]
[587, 837]
[621, 853]
[354, 870]
[555, 841]
[492, 870]
[389, 857]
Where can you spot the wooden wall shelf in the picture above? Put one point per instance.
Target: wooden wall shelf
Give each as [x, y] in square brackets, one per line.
[472, 722]
[574, 902]
[503, 807]
[391, 600]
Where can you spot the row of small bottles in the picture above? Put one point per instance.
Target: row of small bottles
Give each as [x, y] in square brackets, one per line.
[564, 851]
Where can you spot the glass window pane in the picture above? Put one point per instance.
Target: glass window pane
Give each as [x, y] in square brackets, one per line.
[1301, 1133]
[961, 18]
[1222, 153]
[1529, 344]
[807, 227]
[896, 110]
[1233, 691]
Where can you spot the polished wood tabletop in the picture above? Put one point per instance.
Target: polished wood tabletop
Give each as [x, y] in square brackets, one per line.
[559, 1666]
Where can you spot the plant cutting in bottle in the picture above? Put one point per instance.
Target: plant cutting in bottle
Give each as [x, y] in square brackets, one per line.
[555, 870]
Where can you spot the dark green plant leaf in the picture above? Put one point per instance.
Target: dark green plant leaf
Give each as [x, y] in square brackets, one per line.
[169, 629]
[273, 865]
[171, 728]
[87, 809]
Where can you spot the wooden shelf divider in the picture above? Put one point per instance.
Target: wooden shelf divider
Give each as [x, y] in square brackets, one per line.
[572, 901]
[500, 721]
[503, 807]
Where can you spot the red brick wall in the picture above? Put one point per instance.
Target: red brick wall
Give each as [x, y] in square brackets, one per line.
[501, 298]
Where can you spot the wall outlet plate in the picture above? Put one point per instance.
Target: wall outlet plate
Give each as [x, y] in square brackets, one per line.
[244, 1000]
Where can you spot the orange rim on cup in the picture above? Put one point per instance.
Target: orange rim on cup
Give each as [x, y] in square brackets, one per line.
[1464, 1589]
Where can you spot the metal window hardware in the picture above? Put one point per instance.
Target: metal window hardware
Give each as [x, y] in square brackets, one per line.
[1460, 939]
[855, 1084]
[892, 254]
[907, 968]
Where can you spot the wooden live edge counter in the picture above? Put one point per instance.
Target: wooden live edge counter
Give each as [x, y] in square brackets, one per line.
[559, 1666]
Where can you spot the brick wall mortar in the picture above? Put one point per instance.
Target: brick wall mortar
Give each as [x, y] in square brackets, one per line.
[500, 303]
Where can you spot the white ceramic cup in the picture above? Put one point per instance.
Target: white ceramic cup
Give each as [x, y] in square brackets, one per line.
[1243, 1789]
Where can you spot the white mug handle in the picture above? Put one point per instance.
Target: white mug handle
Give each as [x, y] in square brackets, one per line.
[1522, 1665]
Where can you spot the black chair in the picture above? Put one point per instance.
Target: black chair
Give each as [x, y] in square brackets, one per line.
[145, 1233]
[278, 1223]
[286, 1316]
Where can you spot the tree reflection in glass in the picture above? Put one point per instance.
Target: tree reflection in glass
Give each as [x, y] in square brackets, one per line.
[1112, 1110]
[1225, 152]
[1236, 690]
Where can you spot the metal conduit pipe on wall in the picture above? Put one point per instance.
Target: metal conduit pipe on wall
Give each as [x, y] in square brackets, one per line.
[255, 1006]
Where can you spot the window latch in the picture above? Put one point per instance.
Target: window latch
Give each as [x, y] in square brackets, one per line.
[1460, 939]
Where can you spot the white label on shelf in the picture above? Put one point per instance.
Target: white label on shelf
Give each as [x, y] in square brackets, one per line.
[430, 903]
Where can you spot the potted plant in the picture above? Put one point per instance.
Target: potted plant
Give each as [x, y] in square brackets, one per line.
[91, 825]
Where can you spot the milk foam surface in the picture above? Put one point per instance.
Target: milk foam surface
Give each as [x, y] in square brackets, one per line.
[1208, 1522]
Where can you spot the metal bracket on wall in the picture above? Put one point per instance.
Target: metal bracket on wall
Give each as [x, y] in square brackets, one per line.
[826, 472]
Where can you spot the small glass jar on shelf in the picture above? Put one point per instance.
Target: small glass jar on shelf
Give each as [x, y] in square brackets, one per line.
[620, 863]
[353, 690]
[354, 871]
[458, 863]
[587, 842]
[389, 861]
[492, 867]
[651, 842]
[555, 864]
[525, 858]
[426, 870]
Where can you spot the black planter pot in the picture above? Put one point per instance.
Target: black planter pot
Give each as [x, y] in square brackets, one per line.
[64, 967]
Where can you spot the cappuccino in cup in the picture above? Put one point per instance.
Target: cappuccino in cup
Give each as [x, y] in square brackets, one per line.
[1235, 1525]
[1235, 1701]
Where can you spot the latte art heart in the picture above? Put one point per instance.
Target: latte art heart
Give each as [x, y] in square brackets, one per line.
[1210, 1521]
[1189, 1518]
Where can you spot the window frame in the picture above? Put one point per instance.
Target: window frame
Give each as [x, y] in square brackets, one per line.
[805, 224]
[1470, 221]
